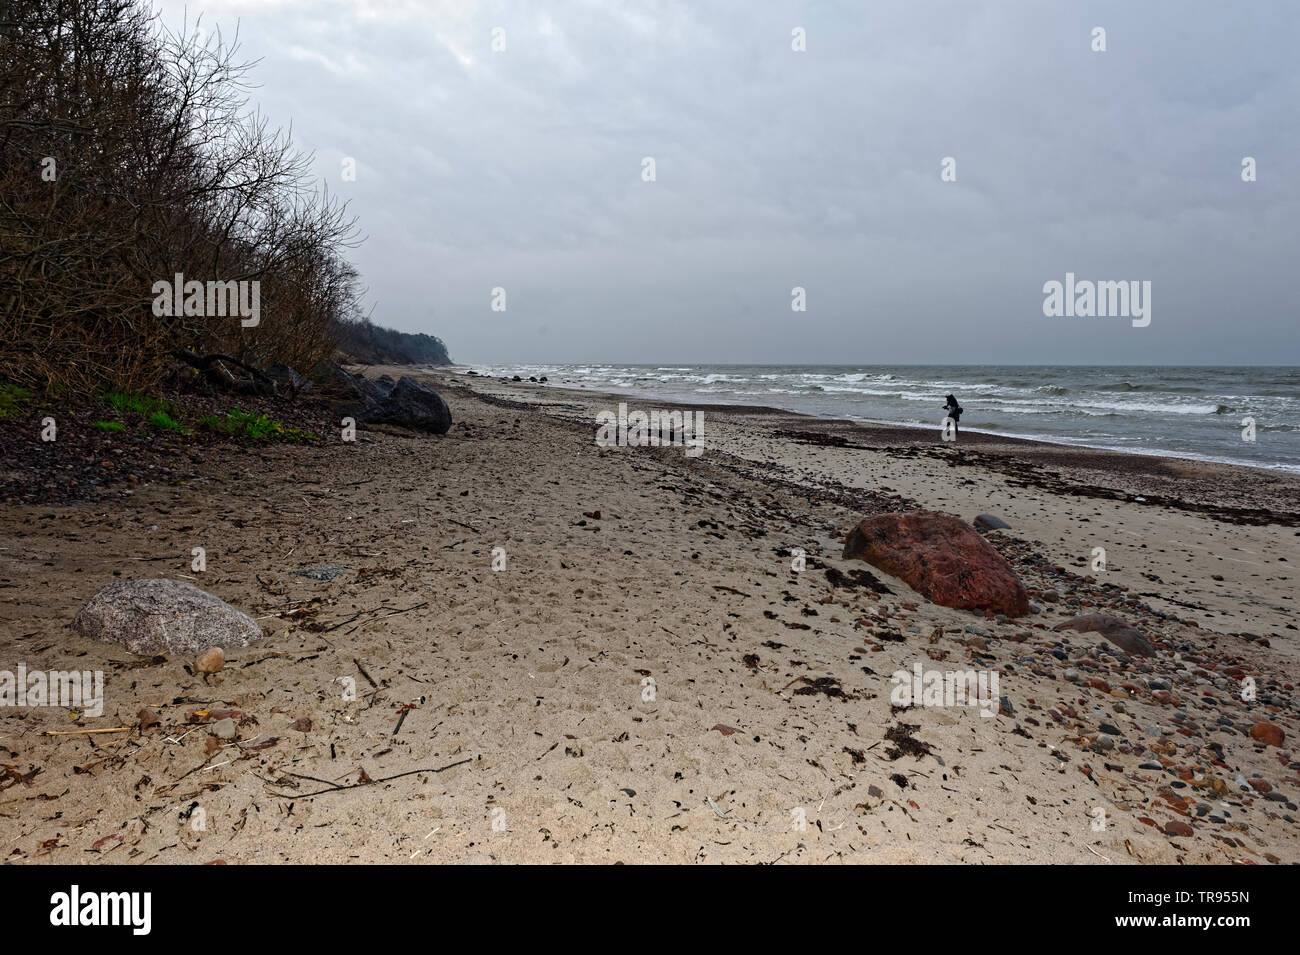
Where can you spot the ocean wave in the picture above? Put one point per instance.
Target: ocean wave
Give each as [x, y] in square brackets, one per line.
[1013, 405]
[1184, 414]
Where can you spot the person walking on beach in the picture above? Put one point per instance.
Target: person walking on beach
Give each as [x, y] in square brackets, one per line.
[953, 411]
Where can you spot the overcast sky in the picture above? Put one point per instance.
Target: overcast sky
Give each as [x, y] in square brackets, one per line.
[522, 169]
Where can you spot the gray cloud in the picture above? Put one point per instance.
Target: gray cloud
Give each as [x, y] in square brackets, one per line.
[522, 169]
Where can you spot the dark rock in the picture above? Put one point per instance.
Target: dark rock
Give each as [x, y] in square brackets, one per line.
[355, 395]
[942, 558]
[406, 402]
[413, 404]
[287, 381]
[990, 522]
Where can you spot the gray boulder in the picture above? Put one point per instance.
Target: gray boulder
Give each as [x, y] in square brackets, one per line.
[164, 616]
[413, 404]
[990, 522]
[1120, 633]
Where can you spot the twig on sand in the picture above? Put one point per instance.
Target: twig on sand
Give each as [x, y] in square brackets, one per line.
[402, 717]
[376, 610]
[371, 782]
[404, 610]
[312, 778]
[362, 670]
[347, 621]
[114, 729]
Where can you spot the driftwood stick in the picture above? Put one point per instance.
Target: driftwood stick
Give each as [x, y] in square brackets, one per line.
[258, 382]
[203, 361]
[114, 729]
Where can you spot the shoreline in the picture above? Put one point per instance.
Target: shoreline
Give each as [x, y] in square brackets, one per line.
[993, 449]
[679, 400]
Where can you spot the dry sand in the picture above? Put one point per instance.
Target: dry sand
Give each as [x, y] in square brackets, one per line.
[580, 688]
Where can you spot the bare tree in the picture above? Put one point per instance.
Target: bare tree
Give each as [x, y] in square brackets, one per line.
[128, 154]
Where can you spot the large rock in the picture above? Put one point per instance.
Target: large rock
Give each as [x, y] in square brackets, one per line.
[1268, 733]
[991, 522]
[408, 403]
[164, 616]
[413, 404]
[1123, 635]
[942, 558]
[358, 393]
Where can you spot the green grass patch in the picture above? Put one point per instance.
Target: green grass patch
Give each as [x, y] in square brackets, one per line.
[109, 426]
[165, 422]
[246, 424]
[143, 405]
[11, 398]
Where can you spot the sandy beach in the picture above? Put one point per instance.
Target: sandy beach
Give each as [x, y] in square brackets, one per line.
[648, 679]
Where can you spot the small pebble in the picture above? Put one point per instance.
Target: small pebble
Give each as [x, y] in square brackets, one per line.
[210, 660]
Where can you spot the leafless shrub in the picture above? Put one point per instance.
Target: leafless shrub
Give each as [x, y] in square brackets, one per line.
[128, 154]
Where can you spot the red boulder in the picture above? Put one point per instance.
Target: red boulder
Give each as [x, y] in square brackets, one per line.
[1268, 733]
[942, 558]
